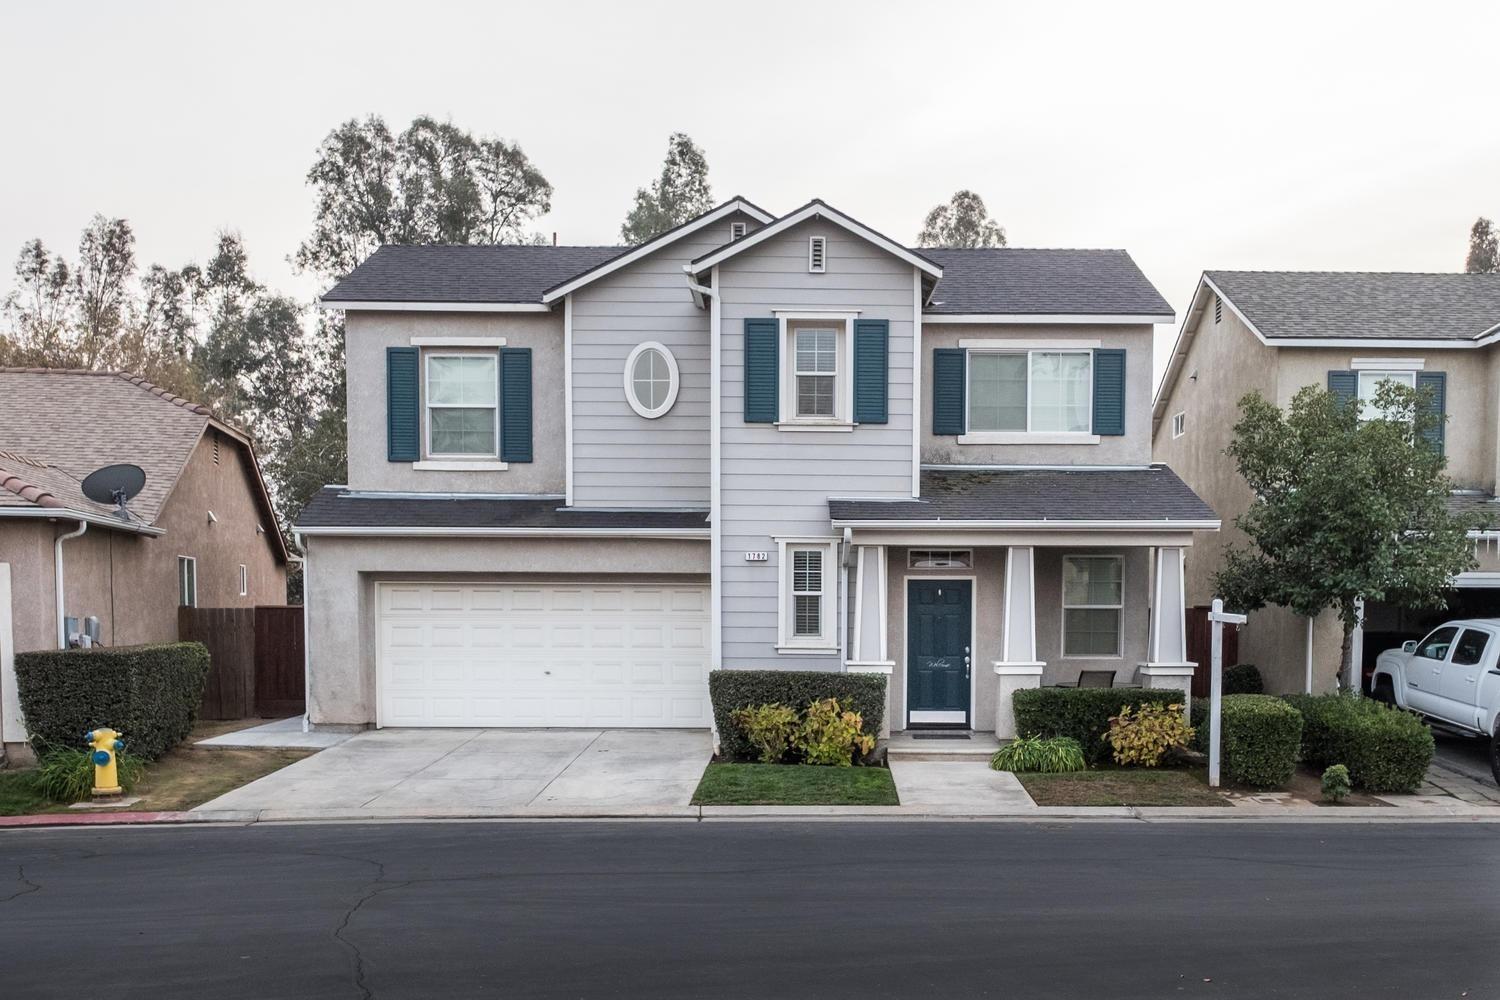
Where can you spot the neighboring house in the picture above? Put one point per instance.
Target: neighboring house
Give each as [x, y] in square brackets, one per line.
[1278, 331]
[202, 531]
[580, 477]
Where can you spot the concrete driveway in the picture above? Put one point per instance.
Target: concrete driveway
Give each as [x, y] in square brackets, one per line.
[393, 773]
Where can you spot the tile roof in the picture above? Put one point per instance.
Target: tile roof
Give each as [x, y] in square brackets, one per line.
[507, 274]
[29, 482]
[340, 507]
[1019, 280]
[1152, 493]
[1362, 304]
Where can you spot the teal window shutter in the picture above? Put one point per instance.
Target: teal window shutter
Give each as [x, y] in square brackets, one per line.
[1109, 392]
[762, 383]
[403, 401]
[949, 374]
[872, 339]
[515, 404]
[1344, 384]
[1436, 406]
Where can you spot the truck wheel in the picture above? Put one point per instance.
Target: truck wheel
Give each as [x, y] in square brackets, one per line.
[1495, 755]
[1384, 692]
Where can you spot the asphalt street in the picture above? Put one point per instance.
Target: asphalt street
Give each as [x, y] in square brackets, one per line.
[728, 910]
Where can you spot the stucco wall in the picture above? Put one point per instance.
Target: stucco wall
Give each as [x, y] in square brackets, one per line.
[1131, 448]
[367, 336]
[341, 574]
[989, 602]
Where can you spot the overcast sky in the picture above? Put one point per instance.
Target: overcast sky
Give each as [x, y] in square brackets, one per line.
[1254, 135]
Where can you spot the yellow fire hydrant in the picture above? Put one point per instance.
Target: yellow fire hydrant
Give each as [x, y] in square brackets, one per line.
[106, 744]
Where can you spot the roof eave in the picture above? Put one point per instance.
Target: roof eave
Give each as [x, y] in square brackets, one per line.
[90, 517]
[410, 305]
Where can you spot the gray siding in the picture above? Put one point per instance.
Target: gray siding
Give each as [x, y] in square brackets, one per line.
[777, 483]
[619, 457]
[368, 334]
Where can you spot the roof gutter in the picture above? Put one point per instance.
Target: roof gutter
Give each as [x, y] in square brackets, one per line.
[57, 579]
[365, 531]
[67, 514]
[1046, 524]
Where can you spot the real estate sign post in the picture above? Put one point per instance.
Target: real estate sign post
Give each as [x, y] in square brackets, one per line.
[1218, 618]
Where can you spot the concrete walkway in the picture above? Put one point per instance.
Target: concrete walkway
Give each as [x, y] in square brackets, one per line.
[283, 734]
[447, 773]
[968, 788]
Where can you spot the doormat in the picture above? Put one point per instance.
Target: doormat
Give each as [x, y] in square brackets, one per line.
[939, 736]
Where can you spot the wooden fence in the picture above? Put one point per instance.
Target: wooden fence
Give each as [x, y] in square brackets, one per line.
[257, 659]
[1199, 648]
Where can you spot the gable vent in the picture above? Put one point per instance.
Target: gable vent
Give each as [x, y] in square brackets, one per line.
[1218, 310]
[216, 447]
[817, 254]
[736, 230]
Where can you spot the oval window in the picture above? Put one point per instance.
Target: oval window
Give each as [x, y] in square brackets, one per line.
[651, 380]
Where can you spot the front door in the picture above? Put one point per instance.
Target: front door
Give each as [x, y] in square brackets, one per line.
[938, 633]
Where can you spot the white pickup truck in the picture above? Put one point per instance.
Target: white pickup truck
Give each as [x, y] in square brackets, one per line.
[1451, 676]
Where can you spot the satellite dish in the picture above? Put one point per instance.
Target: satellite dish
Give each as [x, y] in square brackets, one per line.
[114, 484]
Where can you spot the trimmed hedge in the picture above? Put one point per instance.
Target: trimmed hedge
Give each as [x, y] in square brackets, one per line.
[150, 694]
[1082, 713]
[1385, 748]
[1266, 744]
[1243, 678]
[734, 689]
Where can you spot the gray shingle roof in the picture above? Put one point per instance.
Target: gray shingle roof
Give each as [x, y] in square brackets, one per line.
[1472, 504]
[1361, 304]
[1146, 494]
[1015, 280]
[339, 507]
[465, 273]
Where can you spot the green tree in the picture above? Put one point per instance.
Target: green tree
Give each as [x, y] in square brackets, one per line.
[432, 183]
[1484, 248]
[1346, 506]
[962, 222]
[679, 194]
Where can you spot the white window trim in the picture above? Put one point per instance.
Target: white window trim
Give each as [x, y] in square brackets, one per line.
[817, 246]
[843, 407]
[786, 642]
[184, 599]
[966, 554]
[458, 343]
[1388, 364]
[1027, 436]
[673, 386]
[439, 461]
[1065, 607]
[1179, 424]
[737, 230]
[244, 580]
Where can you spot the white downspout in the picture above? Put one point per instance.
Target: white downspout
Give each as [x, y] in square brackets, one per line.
[57, 573]
[306, 635]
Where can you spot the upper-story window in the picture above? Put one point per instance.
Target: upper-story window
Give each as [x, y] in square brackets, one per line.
[1179, 424]
[651, 380]
[463, 404]
[816, 369]
[1031, 391]
[1369, 385]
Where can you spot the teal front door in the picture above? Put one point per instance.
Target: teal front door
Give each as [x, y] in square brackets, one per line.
[938, 634]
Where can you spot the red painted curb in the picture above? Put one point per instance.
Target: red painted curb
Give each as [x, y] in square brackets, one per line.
[95, 818]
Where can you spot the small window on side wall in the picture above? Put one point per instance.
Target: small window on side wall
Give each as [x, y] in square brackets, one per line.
[187, 582]
[651, 380]
[1179, 424]
[244, 580]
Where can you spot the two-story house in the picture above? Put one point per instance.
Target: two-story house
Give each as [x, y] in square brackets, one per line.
[1276, 332]
[581, 477]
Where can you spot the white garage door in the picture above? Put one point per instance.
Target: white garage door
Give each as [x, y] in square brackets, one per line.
[508, 654]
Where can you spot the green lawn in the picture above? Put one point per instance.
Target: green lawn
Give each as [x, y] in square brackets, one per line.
[794, 785]
[18, 795]
[1121, 788]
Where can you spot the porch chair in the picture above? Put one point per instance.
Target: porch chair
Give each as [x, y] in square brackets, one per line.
[1096, 679]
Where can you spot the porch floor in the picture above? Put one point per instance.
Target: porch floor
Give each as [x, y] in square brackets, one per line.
[920, 744]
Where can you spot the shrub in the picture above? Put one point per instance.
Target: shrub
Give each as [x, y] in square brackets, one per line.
[1082, 713]
[1260, 740]
[831, 735]
[66, 774]
[1385, 749]
[1034, 753]
[1143, 736]
[1336, 786]
[769, 728]
[1243, 678]
[150, 694]
[735, 689]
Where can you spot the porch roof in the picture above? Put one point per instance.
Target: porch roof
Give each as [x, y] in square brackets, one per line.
[953, 496]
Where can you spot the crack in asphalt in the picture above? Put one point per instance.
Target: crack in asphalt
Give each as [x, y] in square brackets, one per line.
[21, 878]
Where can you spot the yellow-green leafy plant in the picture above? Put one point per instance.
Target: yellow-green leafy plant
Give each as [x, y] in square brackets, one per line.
[830, 735]
[769, 728]
[1143, 734]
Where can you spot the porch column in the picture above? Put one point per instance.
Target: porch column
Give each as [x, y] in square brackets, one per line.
[868, 651]
[1018, 668]
[1167, 666]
